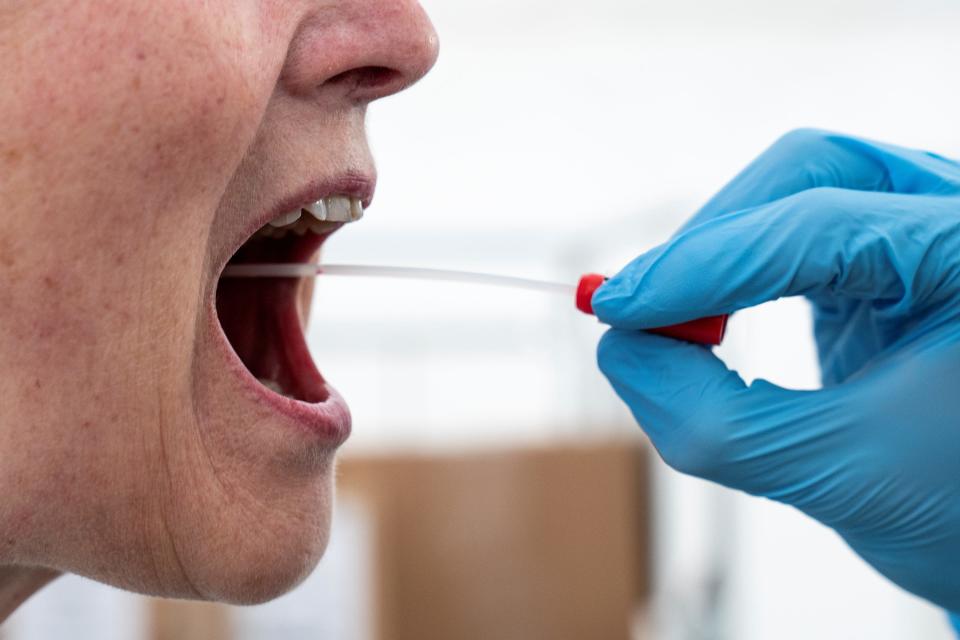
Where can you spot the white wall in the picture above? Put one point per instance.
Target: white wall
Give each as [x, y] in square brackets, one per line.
[557, 136]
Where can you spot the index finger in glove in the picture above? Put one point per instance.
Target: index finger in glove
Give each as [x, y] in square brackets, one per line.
[895, 250]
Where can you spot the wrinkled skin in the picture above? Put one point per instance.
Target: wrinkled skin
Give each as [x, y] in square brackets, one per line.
[140, 140]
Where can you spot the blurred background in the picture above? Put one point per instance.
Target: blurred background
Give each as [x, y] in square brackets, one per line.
[494, 487]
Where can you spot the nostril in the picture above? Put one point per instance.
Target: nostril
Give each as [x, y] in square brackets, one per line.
[368, 82]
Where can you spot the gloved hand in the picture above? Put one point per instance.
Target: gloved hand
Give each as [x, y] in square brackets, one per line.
[870, 233]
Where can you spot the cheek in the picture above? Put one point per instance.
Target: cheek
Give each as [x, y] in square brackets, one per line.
[159, 102]
[123, 122]
[161, 98]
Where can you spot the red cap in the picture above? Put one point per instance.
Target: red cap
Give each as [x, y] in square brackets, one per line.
[588, 284]
[708, 330]
[703, 331]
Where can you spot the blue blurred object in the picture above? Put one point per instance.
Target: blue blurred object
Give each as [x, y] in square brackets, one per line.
[870, 234]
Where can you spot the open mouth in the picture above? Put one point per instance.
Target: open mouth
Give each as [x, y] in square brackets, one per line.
[263, 318]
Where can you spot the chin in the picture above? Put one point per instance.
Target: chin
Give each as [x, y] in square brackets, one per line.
[261, 572]
[252, 551]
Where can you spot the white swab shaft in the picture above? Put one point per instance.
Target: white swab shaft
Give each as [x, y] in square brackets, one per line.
[302, 270]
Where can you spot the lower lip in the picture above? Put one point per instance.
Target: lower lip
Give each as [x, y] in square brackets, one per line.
[328, 421]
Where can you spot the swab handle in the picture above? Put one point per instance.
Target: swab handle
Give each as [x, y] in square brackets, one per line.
[707, 331]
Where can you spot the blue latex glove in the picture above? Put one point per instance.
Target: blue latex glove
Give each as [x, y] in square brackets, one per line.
[870, 233]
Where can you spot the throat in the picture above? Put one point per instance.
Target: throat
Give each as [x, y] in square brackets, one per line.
[262, 319]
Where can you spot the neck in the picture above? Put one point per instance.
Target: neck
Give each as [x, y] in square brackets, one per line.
[19, 583]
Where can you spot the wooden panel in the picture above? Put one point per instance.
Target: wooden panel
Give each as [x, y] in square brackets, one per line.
[181, 620]
[548, 543]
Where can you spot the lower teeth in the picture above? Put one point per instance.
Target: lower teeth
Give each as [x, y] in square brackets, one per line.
[273, 385]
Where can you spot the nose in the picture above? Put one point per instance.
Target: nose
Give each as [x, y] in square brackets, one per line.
[356, 51]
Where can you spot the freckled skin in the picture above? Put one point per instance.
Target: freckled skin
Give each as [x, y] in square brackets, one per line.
[138, 138]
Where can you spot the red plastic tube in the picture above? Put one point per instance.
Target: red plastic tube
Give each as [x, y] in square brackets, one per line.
[707, 331]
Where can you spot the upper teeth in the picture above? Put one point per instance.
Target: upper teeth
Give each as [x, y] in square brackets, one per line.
[318, 209]
[285, 219]
[323, 214]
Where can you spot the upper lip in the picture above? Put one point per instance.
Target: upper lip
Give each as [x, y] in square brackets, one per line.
[354, 183]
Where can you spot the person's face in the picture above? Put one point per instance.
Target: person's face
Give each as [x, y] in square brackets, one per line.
[142, 144]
